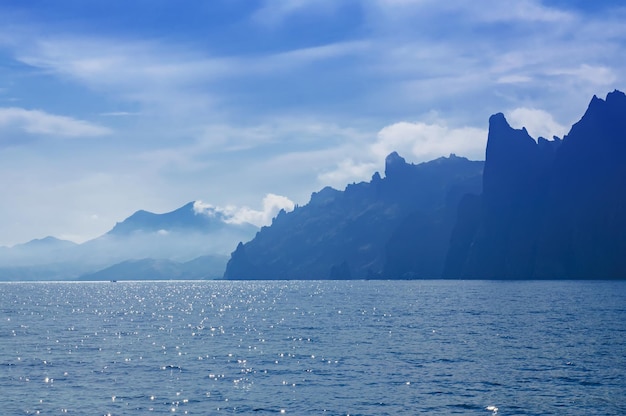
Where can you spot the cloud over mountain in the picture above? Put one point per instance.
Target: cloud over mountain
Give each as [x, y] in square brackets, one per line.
[272, 204]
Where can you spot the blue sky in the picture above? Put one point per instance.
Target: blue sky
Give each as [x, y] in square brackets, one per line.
[107, 107]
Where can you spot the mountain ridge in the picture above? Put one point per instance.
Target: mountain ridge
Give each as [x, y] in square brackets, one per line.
[179, 236]
[347, 232]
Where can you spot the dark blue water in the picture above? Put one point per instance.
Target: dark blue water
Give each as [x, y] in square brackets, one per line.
[336, 348]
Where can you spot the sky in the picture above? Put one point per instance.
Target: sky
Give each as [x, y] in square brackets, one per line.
[249, 106]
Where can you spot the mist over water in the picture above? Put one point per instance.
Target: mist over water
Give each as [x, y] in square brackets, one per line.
[332, 347]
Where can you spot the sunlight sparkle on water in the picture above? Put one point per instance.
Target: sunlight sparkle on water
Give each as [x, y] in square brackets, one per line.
[284, 347]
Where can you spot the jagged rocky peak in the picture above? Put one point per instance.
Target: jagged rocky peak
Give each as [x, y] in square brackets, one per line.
[498, 121]
[613, 107]
[617, 99]
[615, 102]
[512, 157]
[394, 164]
[502, 135]
[602, 123]
[327, 194]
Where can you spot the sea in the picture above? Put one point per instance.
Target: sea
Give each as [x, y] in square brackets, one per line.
[313, 348]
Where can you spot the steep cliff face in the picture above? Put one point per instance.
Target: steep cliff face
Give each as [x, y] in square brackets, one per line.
[514, 166]
[549, 209]
[365, 230]
[582, 232]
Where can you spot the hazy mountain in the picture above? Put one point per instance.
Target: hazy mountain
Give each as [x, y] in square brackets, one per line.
[45, 243]
[371, 229]
[549, 209]
[180, 236]
[39, 259]
[205, 267]
[35, 248]
[185, 218]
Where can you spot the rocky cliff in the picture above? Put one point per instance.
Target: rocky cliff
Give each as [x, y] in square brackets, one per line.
[549, 209]
[393, 227]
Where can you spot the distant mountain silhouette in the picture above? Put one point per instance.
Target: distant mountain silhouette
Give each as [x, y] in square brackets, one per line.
[549, 209]
[205, 267]
[176, 238]
[16, 261]
[375, 229]
[46, 243]
[179, 235]
[185, 218]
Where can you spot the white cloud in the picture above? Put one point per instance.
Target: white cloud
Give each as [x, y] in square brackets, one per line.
[423, 141]
[296, 58]
[537, 122]
[417, 142]
[272, 204]
[40, 122]
[202, 208]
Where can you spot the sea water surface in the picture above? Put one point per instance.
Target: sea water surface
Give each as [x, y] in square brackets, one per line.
[323, 347]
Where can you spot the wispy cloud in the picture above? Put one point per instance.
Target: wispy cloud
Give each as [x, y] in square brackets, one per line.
[142, 71]
[119, 114]
[274, 12]
[521, 10]
[486, 11]
[591, 74]
[181, 81]
[41, 123]
[272, 204]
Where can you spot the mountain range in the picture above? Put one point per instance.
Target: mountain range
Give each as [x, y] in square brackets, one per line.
[194, 243]
[534, 209]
